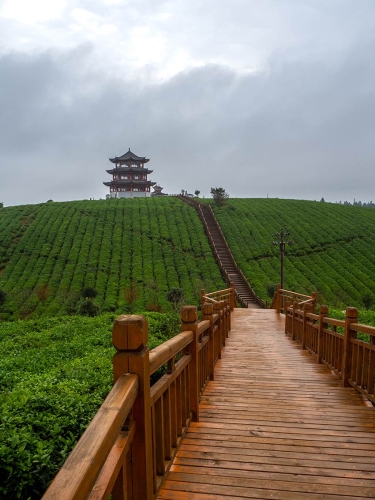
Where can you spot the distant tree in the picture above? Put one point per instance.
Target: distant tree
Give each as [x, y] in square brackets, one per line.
[322, 199]
[87, 307]
[89, 293]
[368, 301]
[1, 204]
[219, 195]
[176, 297]
[197, 193]
[49, 201]
[131, 294]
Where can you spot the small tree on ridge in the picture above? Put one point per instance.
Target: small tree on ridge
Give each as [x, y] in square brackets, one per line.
[219, 195]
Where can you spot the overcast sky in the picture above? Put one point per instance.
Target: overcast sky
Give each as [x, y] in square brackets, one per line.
[261, 97]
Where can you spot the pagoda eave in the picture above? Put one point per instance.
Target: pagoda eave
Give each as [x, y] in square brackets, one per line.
[124, 183]
[124, 170]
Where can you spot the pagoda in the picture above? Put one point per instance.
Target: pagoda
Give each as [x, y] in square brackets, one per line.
[129, 177]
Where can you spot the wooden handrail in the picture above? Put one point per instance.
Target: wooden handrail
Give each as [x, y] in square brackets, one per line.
[164, 352]
[129, 446]
[77, 477]
[352, 360]
[282, 297]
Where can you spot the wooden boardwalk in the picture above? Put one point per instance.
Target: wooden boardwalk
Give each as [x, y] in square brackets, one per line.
[274, 424]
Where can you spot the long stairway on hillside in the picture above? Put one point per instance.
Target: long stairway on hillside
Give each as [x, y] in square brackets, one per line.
[245, 294]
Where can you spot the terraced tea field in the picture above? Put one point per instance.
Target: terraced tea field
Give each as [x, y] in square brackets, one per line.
[110, 245]
[332, 251]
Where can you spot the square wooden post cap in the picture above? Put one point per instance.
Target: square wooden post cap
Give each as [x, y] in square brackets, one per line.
[130, 333]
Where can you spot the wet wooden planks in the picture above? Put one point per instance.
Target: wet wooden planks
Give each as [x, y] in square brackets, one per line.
[274, 424]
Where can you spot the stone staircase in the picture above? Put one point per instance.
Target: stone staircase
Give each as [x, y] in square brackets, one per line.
[231, 272]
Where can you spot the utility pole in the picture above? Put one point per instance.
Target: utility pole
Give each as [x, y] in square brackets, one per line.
[282, 234]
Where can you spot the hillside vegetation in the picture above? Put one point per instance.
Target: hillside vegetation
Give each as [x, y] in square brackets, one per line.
[54, 375]
[332, 251]
[143, 247]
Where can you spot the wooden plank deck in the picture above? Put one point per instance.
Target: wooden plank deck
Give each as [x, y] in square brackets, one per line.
[274, 425]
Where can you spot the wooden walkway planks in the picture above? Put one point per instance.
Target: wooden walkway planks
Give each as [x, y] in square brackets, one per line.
[274, 424]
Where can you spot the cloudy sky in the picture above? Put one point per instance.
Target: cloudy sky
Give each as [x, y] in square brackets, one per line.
[261, 97]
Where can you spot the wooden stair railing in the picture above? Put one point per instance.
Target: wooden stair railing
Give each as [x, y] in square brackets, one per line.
[130, 444]
[331, 341]
[223, 255]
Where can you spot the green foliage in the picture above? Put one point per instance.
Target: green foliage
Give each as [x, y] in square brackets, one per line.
[1, 204]
[176, 297]
[104, 245]
[271, 289]
[89, 293]
[219, 195]
[88, 307]
[368, 301]
[332, 251]
[54, 375]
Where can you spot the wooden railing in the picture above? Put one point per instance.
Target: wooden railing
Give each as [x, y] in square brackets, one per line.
[130, 444]
[283, 297]
[331, 341]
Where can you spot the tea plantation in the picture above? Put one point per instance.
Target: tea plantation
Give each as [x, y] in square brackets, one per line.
[55, 368]
[332, 251]
[131, 251]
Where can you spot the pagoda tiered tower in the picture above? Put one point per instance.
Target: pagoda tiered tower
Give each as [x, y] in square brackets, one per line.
[129, 177]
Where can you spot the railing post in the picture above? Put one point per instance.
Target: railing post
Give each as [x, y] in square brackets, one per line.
[229, 313]
[307, 308]
[232, 297]
[207, 314]
[313, 307]
[322, 325]
[202, 297]
[130, 337]
[278, 302]
[189, 320]
[219, 328]
[287, 318]
[351, 317]
[223, 320]
[295, 305]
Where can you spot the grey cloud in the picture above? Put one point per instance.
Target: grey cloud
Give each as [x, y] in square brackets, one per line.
[302, 129]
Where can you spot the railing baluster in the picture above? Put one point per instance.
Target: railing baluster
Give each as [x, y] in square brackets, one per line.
[351, 317]
[320, 338]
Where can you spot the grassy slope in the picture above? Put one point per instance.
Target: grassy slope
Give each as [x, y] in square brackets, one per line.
[332, 251]
[159, 243]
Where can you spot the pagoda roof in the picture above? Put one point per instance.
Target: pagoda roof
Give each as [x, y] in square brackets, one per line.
[130, 170]
[126, 182]
[129, 155]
